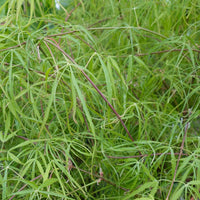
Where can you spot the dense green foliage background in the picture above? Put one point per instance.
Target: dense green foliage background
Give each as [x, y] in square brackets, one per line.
[59, 139]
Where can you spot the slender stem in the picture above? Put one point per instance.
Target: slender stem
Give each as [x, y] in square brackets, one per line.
[85, 42]
[109, 28]
[164, 51]
[72, 11]
[22, 137]
[179, 157]
[25, 186]
[144, 155]
[98, 22]
[102, 178]
[98, 176]
[96, 88]
[19, 45]
[68, 16]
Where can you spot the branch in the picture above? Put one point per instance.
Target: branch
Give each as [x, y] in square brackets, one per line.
[164, 51]
[98, 22]
[102, 178]
[25, 186]
[73, 167]
[109, 28]
[179, 157]
[95, 87]
[19, 45]
[144, 155]
[72, 11]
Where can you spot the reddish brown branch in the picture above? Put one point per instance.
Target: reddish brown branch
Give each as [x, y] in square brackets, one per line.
[164, 51]
[22, 137]
[56, 67]
[85, 42]
[19, 45]
[144, 155]
[98, 22]
[73, 167]
[72, 11]
[96, 88]
[68, 18]
[102, 178]
[25, 186]
[107, 28]
[61, 34]
[179, 157]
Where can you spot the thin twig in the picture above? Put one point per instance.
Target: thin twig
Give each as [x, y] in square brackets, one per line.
[71, 32]
[56, 67]
[144, 155]
[13, 47]
[102, 178]
[22, 137]
[96, 88]
[43, 73]
[70, 49]
[179, 157]
[164, 51]
[109, 28]
[42, 109]
[72, 11]
[73, 167]
[25, 186]
[85, 42]
[61, 34]
[44, 53]
[100, 21]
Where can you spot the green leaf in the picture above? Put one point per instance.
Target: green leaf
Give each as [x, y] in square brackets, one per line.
[81, 97]
[47, 111]
[4, 185]
[40, 168]
[117, 68]
[141, 63]
[48, 182]
[23, 192]
[46, 174]
[141, 189]
[56, 194]
[108, 81]
[14, 158]
[178, 193]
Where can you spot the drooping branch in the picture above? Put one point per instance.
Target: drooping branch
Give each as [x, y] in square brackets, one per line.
[95, 87]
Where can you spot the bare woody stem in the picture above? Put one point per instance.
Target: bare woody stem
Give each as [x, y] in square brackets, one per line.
[95, 87]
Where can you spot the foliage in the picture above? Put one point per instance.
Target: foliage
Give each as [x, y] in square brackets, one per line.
[59, 136]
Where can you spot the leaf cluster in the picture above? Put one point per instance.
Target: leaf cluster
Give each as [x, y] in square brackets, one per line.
[99, 99]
